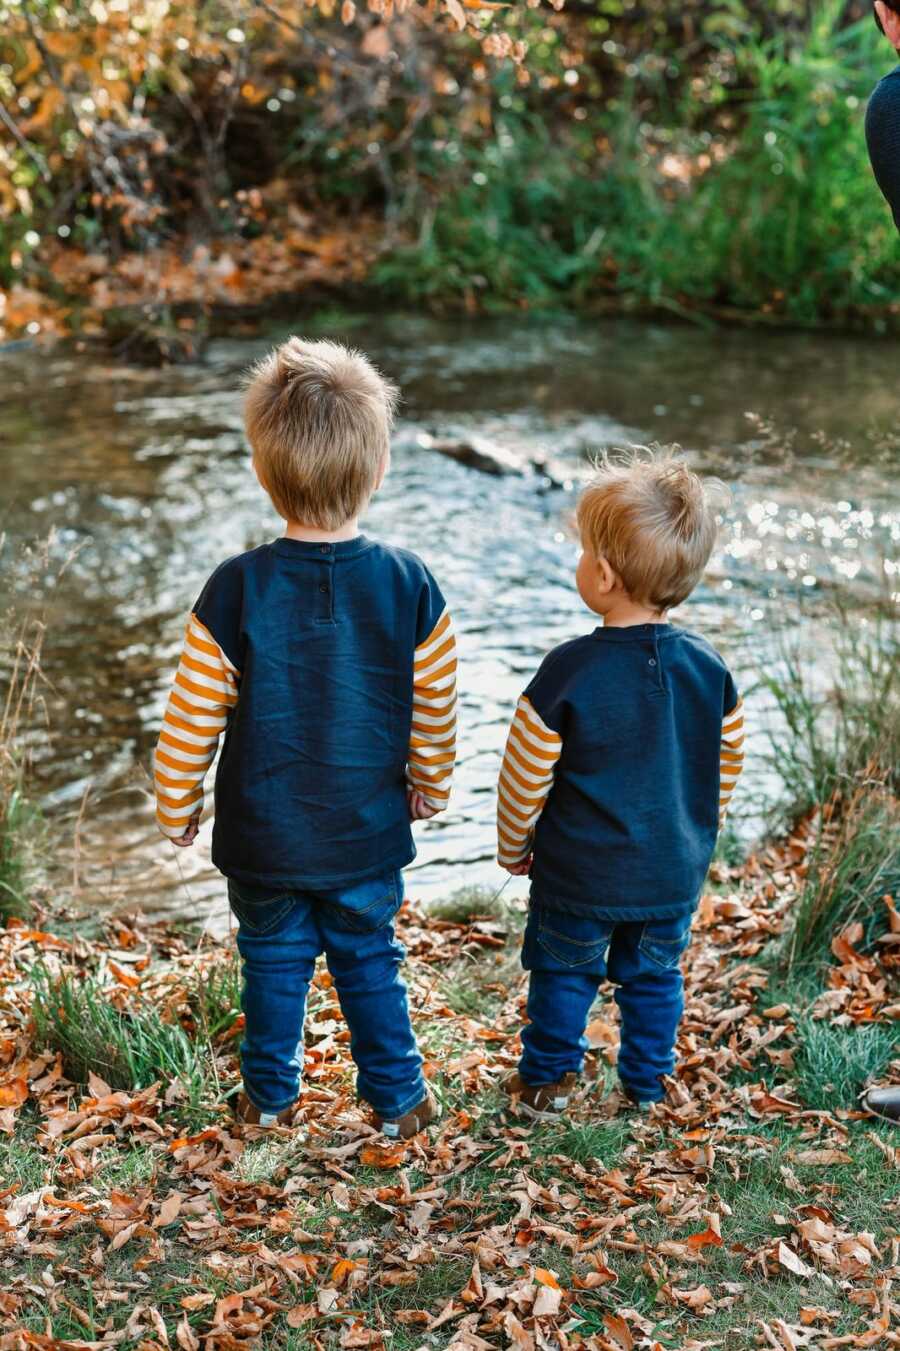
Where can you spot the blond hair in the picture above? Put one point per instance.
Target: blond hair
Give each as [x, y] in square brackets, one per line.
[654, 521]
[318, 417]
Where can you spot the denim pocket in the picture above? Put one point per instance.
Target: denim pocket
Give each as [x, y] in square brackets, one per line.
[573, 941]
[664, 940]
[256, 909]
[366, 906]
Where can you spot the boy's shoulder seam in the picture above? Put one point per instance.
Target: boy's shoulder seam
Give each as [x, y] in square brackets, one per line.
[570, 647]
[235, 560]
[231, 568]
[698, 640]
[405, 557]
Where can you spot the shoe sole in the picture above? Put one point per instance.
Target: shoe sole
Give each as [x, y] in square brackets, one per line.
[542, 1114]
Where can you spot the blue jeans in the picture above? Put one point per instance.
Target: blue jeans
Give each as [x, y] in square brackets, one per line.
[568, 956]
[280, 935]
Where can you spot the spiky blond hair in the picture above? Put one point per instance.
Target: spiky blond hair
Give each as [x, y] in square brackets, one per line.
[654, 521]
[318, 417]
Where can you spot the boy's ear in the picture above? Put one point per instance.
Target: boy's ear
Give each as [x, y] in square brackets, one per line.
[607, 579]
[889, 22]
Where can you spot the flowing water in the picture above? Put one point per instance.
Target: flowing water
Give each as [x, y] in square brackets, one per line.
[145, 476]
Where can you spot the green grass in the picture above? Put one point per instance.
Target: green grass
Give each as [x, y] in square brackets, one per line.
[834, 1063]
[837, 749]
[215, 997]
[824, 736]
[782, 218]
[128, 1049]
[20, 827]
[470, 903]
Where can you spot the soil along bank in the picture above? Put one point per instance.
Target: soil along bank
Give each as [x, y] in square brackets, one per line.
[703, 160]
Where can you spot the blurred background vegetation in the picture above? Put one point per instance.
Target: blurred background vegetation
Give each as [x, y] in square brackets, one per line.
[698, 157]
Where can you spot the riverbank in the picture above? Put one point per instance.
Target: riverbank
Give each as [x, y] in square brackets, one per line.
[759, 1202]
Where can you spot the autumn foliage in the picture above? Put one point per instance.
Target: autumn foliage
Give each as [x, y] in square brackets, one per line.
[161, 161]
[144, 126]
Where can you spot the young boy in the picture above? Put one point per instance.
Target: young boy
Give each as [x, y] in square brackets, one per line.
[620, 763]
[328, 660]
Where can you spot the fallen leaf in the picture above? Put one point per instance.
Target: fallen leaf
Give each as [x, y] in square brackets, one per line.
[619, 1330]
[169, 1210]
[792, 1260]
[822, 1158]
[185, 1336]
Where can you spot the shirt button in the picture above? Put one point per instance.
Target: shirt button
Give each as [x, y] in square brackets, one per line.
[323, 587]
[652, 661]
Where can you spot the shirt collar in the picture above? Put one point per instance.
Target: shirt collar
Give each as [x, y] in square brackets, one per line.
[321, 549]
[634, 632]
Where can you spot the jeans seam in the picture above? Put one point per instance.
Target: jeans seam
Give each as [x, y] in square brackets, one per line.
[261, 933]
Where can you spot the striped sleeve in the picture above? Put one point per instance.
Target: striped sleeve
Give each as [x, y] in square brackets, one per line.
[731, 756]
[432, 741]
[526, 776]
[204, 690]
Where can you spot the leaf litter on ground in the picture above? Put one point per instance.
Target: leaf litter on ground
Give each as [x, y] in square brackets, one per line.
[729, 1217]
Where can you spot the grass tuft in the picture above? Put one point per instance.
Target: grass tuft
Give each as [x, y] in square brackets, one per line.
[128, 1049]
[834, 1063]
[215, 998]
[824, 738]
[469, 903]
[837, 750]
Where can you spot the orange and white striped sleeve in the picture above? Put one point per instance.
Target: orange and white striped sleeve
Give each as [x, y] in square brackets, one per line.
[731, 756]
[526, 777]
[204, 691]
[432, 741]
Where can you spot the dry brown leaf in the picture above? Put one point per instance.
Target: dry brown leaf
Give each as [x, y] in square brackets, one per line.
[169, 1210]
[822, 1158]
[696, 1299]
[619, 1331]
[300, 1313]
[185, 1336]
[547, 1301]
[457, 13]
[383, 1156]
[14, 1092]
[709, 1237]
[198, 1301]
[791, 1260]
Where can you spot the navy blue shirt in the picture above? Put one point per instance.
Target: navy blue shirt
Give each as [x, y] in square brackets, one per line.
[317, 646]
[629, 825]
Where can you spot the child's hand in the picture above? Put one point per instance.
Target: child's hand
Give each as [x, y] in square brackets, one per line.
[518, 869]
[419, 809]
[190, 833]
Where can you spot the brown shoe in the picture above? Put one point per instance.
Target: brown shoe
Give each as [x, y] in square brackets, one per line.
[884, 1102]
[248, 1114]
[413, 1121]
[541, 1102]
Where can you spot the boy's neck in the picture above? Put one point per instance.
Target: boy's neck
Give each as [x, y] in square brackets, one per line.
[624, 613]
[312, 534]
